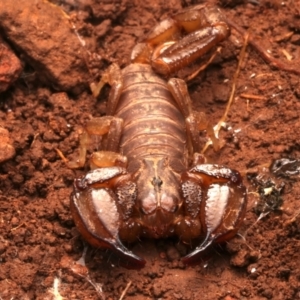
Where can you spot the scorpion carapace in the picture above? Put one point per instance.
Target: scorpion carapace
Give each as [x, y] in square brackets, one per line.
[149, 180]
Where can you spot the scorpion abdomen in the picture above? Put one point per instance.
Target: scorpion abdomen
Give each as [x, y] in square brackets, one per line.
[153, 123]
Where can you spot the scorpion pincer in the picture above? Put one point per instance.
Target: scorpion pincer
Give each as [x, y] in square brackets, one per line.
[149, 179]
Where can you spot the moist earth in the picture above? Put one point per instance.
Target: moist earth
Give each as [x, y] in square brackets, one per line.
[45, 109]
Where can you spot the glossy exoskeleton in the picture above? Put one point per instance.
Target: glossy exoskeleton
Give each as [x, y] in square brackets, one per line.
[149, 179]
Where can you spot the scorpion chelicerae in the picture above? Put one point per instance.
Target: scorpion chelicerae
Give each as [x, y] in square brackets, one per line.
[149, 179]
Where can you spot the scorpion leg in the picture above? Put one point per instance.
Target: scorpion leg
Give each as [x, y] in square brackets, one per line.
[216, 197]
[99, 211]
[113, 77]
[195, 121]
[111, 74]
[108, 126]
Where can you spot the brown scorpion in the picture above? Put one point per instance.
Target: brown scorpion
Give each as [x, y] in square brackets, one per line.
[149, 180]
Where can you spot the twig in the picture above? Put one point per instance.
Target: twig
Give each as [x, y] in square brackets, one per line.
[55, 290]
[60, 154]
[237, 72]
[252, 97]
[284, 37]
[293, 68]
[15, 228]
[125, 290]
[288, 56]
[293, 218]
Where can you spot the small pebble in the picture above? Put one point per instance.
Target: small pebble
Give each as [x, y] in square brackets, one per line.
[7, 151]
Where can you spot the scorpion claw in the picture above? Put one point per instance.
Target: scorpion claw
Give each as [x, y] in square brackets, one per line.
[131, 261]
[193, 257]
[223, 206]
[98, 220]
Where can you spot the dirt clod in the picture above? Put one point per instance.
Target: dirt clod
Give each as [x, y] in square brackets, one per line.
[10, 66]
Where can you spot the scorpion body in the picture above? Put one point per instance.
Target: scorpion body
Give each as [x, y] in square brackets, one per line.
[153, 124]
[149, 178]
[154, 140]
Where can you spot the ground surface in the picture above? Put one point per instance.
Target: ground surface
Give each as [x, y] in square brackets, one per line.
[38, 240]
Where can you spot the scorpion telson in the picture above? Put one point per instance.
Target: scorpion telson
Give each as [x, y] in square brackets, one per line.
[149, 180]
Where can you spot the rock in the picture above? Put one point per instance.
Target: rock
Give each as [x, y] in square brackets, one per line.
[10, 66]
[45, 36]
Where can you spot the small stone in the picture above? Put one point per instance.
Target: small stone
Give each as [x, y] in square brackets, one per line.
[173, 254]
[7, 151]
[268, 293]
[103, 28]
[14, 221]
[3, 245]
[241, 259]
[295, 39]
[157, 290]
[253, 271]
[221, 93]
[68, 248]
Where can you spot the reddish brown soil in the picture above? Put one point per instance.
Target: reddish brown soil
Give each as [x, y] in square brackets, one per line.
[38, 240]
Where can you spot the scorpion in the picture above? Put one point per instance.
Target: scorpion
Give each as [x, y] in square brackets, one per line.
[149, 178]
